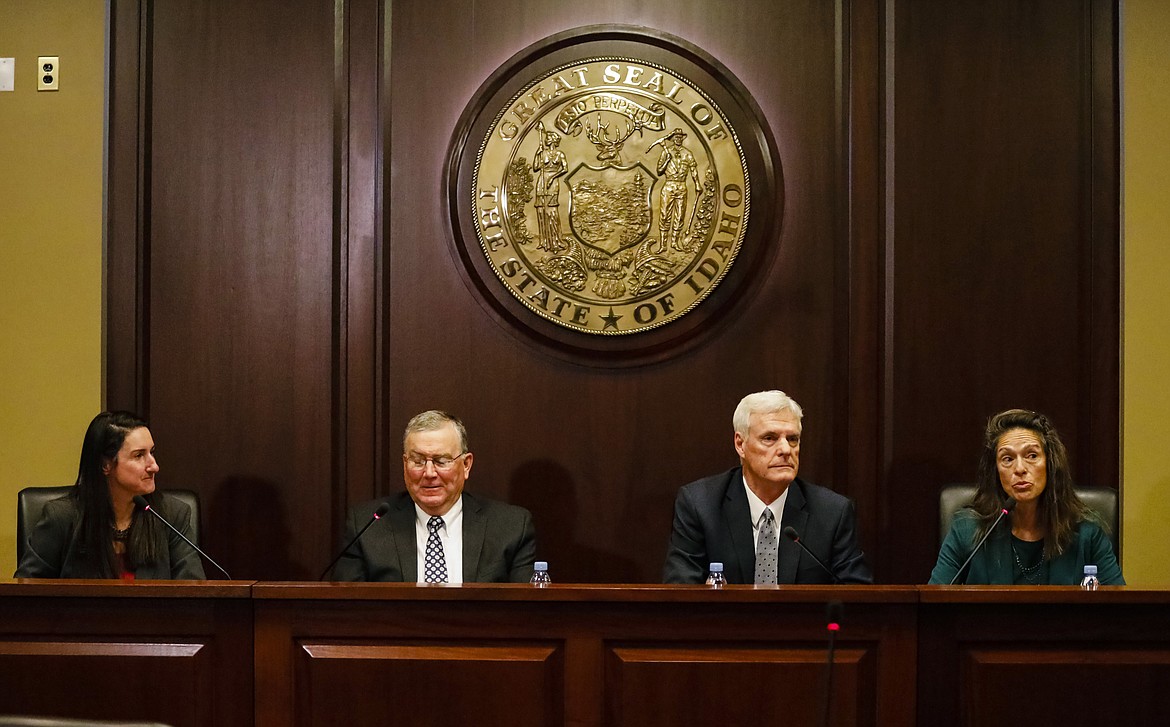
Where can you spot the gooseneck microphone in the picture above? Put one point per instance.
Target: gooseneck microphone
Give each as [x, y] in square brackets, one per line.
[1007, 507]
[382, 510]
[833, 613]
[141, 502]
[791, 534]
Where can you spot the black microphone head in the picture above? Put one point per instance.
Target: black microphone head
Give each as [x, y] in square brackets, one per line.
[833, 611]
[1009, 504]
[790, 533]
[382, 509]
[141, 502]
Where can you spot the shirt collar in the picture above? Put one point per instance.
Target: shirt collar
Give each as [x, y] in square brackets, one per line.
[448, 517]
[756, 505]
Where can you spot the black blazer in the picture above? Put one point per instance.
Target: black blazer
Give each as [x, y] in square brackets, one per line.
[53, 551]
[712, 523]
[499, 542]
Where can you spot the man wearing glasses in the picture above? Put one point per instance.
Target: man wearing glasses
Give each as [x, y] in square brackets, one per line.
[434, 532]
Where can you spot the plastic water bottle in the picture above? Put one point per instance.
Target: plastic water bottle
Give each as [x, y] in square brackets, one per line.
[715, 578]
[1090, 582]
[540, 577]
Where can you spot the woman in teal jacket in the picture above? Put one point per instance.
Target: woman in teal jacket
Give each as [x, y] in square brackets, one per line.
[1050, 534]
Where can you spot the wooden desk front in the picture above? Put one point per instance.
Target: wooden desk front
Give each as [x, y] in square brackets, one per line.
[179, 653]
[238, 653]
[1044, 655]
[355, 654]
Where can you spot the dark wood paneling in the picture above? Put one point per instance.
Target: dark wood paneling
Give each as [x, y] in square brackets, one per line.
[284, 285]
[496, 682]
[191, 653]
[1004, 288]
[1134, 679]
[175, 654]
[30, 665]
[978, 645]
[598, 452]
[582, 655]
[238, 271]
[671, 685]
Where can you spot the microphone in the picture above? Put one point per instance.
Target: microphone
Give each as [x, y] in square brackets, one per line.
[791, 534]
[833, 612]
[382, 510]
[1007, 507]
[141, 502]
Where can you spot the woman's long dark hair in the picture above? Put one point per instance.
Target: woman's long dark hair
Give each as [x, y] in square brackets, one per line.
[95, 530]
[1060, 509]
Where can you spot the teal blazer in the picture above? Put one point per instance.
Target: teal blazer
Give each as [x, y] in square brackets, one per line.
[993, 564]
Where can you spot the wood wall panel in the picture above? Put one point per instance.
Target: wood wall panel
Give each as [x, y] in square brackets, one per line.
[286, 289]
[1004, 290]
[597, 452]
[238, 257]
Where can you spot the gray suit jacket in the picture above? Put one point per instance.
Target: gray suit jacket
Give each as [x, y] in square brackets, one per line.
[499, 542]
[53, 551]
[713, 523]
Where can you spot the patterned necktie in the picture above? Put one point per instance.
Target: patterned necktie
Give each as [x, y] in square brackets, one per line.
[766, 555]
[435, 565]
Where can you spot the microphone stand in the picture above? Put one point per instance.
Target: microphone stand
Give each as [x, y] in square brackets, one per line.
[141, 502]
[381, 511]
[833, 610]
[1007, 507]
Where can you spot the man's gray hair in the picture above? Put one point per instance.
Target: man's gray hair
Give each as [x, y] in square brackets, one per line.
[434, 419]
[763, 402]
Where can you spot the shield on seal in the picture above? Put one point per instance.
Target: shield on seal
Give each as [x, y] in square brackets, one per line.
[609, 207]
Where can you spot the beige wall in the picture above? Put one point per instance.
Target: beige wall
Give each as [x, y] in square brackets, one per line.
[50, 247]
[1146, 323]
[51, 261]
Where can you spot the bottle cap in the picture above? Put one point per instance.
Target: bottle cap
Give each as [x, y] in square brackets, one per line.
[540, 565]
[1090, 570]
[716, 567]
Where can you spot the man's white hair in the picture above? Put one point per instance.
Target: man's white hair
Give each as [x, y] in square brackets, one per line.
[763, 402]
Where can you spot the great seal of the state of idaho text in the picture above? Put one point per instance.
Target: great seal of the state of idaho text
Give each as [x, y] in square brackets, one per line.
[610, 195]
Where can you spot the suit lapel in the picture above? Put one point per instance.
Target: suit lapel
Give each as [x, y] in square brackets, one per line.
[402, 519]
[998, 553]
[737, 514]
[474, 530]
[797, 517]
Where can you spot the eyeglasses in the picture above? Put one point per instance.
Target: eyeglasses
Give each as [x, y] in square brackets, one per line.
[442, 464]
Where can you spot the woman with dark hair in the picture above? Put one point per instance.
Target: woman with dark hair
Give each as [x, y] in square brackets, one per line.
[1050, 534]
[96, 531]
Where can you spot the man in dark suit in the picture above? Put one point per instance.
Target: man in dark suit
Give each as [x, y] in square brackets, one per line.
[435, 532]
[738, 517]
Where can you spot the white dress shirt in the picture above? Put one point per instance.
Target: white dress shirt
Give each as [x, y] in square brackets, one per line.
[450, 535]
[756, 506]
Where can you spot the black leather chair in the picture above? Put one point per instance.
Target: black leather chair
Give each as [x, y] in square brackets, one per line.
[30, 503]
[1101, 500]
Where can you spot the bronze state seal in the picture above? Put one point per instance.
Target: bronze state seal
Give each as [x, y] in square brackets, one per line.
[610, 195]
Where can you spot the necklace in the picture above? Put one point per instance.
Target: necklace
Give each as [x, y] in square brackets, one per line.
[121, 534]
[1030, 573]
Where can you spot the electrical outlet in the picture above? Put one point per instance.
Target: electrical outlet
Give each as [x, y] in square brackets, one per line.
[49, 73]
